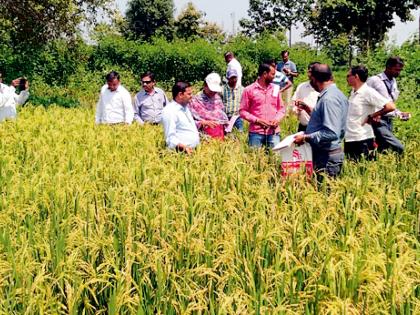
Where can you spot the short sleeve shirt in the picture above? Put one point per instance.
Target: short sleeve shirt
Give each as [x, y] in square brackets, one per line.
[362, 103]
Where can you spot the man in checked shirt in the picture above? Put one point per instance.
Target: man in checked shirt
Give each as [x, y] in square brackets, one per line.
[232, 93]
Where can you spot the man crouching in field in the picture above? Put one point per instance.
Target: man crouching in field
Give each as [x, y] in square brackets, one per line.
[178, 124]
[114, 106]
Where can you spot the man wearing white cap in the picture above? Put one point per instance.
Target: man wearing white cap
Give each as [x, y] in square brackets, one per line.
[207, 107]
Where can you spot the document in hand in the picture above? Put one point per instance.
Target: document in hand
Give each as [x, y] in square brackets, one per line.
[231, 123]
[294, 158]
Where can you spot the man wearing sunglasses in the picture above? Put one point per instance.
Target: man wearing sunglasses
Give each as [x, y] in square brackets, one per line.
[149, 102]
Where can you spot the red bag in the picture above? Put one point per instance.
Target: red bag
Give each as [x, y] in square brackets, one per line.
[215, 132]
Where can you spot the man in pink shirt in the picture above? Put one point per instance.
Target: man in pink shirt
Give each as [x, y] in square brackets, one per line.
[262, 106]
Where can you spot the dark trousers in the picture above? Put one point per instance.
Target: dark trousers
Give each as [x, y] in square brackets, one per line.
[355, 150]
[327, 162]
[385, 139]
[301, 127]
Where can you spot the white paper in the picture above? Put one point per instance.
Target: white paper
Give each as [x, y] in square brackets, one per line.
[287, 142]
[231, 123]
[276, 90]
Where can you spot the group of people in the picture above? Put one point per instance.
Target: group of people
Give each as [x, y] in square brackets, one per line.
[326, 116]
[364, 120]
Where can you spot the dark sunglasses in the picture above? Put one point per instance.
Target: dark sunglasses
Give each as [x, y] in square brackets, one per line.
[146, 82]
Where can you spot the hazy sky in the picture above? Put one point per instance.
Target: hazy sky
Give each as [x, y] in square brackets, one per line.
[227, 13]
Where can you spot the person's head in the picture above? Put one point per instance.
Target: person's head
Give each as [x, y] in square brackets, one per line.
[232, 77]
[357, 75]
[229, 56]
[393, 66]
[113, 80]
[310, 66]
[182, 93]
[266, 72]
[148, 81]
[285, 55]
[212, 84]
[320, 74]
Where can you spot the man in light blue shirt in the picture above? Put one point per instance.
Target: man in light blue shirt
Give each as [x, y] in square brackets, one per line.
[150, 101]
[179, 127]
[327, 124]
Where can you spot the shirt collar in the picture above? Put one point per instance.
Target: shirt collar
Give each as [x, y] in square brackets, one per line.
[153, 92]
[361, 89]
[384, 77]
[260, 87]
[325, 90]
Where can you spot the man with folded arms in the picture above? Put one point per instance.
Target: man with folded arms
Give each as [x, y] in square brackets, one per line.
[149, 102]
[327, 125]
[365, 106]
[179, 127]
[386, 84]
[114, 106]
[262, 106]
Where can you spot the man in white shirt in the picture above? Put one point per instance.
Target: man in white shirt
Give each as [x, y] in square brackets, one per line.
[365, 106]
[386, 84]
[304, 100]
[9, 100]
[114, 105]
[233, 64]
[179, 127]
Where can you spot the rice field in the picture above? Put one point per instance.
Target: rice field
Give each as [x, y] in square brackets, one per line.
[105, 220]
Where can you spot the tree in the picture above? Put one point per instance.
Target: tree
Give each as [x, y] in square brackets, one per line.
[188, 22]
[364, 22]
[190, 25]
[273, 15]
[146, 19]
[33, 23]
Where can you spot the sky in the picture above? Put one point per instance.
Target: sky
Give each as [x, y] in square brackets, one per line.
[227, 14]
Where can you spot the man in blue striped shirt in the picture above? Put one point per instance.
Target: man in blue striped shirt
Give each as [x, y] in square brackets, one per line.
[231, 96]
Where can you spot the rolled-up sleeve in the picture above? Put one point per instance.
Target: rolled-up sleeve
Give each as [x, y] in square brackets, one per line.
[331, 129]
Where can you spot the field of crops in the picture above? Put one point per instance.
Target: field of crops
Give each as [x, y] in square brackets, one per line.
[105, 220]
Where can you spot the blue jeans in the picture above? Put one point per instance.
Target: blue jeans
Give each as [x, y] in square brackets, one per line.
[385, 139]
[239, 124]
[256, 140]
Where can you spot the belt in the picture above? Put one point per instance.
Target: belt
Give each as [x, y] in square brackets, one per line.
[334, 151]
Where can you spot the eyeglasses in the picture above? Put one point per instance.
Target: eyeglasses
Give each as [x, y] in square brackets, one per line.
[146, 82]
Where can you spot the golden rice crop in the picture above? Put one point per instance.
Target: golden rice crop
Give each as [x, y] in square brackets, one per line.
[105, 220]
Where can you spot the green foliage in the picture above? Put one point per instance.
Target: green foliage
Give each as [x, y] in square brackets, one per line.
[365, 22]
[146, 19]
[34, 23]
[188, 22]
[273, 15]
[170, 61]
[338, 50]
